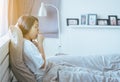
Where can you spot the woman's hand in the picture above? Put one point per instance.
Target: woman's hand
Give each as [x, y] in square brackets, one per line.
[35, 43]
[40, 38]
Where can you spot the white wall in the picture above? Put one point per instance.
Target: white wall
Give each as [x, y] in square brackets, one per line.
[89, 41]
[51, 46]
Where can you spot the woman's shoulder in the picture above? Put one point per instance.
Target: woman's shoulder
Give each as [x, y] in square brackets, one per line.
[25, 40]
[27, 43]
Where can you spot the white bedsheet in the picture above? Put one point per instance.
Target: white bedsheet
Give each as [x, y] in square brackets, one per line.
[111, 62]
[87, 76]
[84, 69]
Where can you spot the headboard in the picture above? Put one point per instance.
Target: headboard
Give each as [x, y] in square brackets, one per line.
[5, 72]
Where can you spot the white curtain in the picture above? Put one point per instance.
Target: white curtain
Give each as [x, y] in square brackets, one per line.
[3, 17]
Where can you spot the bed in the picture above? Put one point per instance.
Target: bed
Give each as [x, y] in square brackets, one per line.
[101, 68]
[65, 68]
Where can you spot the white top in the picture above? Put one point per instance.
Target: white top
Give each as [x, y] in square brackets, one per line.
[32, 57]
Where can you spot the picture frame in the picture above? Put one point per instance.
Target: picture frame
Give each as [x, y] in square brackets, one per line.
[72, 21]
[118, 22]
[112, 19]
[92, 19]
[84, 19]
[102, 21]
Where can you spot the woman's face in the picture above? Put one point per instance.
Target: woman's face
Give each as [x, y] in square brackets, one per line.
[34, 30]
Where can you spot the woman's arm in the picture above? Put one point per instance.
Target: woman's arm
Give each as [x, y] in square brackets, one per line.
[39, 44]
[41, 49]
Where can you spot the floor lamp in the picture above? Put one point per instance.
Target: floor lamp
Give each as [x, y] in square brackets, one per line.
[43, 12]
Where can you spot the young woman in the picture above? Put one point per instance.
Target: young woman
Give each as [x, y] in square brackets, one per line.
[33, 51]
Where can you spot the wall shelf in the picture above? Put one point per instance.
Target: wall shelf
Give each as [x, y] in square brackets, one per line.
[93, 27]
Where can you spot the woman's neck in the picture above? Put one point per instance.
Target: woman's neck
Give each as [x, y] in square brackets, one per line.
[27, 37]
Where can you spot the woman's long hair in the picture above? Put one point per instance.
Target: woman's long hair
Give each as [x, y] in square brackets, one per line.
[25, 23]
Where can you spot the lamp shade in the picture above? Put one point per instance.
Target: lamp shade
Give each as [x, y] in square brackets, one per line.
[42, 10]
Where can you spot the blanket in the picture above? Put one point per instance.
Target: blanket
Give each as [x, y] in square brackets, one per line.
[86, 69]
